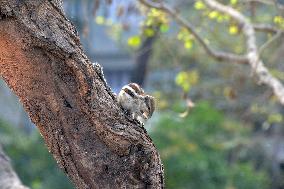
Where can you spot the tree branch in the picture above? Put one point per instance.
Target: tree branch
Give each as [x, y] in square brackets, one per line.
[219, 55]
[266, 28]
[252, 55]
[65, 95]
[264, 76]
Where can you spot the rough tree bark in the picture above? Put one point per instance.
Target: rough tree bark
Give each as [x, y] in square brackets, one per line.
[42, 61]
[8, 177]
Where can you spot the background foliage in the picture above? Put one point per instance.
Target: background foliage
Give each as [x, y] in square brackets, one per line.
[31, 159]
[199, 151]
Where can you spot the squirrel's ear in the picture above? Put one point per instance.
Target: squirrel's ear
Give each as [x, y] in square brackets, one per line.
[150, 102]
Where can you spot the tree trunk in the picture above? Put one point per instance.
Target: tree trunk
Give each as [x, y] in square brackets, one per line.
[142, 60]
[42, 61]
[8, 177]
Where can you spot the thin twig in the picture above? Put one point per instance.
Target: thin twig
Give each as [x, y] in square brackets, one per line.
[265, 46]
[266, 2]
[265, 28]
[269, 42]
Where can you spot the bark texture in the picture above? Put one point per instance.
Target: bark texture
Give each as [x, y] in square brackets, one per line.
[8, 178]
[42, 61]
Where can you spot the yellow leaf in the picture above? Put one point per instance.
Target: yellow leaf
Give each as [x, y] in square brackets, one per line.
[134, 41]
[149, 21]
[233, 2]
[233, 29]
[278, 20]
[199, 5]
[154, 12]
[275, 118]
[100, 20]
[213, 14]
[188, 44]
[182, 81]
[180, 78]
[186, 79]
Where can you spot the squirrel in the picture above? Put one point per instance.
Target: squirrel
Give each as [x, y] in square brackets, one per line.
[136, 103]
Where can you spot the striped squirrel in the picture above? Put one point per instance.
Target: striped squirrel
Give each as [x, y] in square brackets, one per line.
[136, 103]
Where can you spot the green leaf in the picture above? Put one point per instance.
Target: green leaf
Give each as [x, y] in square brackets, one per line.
[275, 118]
[149, 32]
[164, 28]
[181, 80]
[184, 35]
[187, 79]
[220, 18]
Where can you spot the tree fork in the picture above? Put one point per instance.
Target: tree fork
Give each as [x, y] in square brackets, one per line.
[42, 61]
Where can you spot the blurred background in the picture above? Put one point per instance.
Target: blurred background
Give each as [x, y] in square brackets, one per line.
[214, 126]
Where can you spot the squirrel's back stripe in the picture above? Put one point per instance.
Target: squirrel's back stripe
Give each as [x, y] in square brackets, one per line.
[136, 88]
[128, 91]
